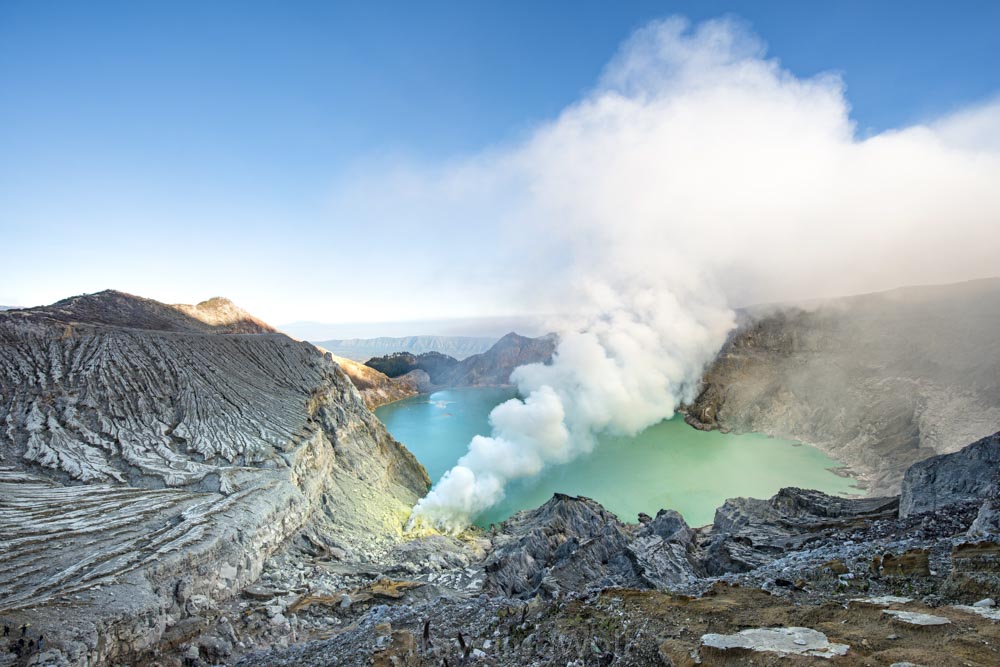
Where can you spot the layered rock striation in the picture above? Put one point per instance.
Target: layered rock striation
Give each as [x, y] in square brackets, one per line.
[969, 475]
[152, 457]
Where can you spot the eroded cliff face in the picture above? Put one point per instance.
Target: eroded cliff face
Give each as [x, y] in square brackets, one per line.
[152, 457]
[377, 388]
[878, 381]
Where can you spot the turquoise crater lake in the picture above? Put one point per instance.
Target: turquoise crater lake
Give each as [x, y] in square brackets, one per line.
[670, 465]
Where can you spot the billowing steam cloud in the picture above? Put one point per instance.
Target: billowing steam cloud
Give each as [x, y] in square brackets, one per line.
[697, 173]
[622, 369]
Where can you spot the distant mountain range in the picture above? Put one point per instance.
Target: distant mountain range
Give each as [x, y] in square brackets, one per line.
[490, 368]
[363, 349]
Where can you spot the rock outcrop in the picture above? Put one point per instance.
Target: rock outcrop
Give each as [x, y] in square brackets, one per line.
[534, 547]
[800, 577]
[152, 457]
[879, 381]
[748, 533]
[950, 479]
[377, 388]
[571, 544]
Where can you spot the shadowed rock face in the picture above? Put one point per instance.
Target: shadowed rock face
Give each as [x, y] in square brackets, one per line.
[879, 381]
[962, 477]
[494, 366]
[571, 544]
[148, 449]
[750, 532]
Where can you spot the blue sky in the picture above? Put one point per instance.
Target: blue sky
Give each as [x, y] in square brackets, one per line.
[186, 149]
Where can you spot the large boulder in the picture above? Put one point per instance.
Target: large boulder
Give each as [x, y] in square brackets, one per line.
[950, 479]
[748, 533]
[573, 543]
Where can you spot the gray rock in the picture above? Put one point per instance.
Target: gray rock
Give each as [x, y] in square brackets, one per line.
[162, 453]
[950, 479]
[883, 600]
[748, 533]
[986, 612]
[572, 543]
[916, 618]
[784, 641]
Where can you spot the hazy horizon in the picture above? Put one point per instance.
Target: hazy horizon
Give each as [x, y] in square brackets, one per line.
[450, 164]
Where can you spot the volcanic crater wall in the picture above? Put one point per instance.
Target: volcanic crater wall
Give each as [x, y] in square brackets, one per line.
[150, 459]
[878, 381]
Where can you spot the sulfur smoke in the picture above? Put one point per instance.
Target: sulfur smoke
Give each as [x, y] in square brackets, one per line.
[698, 173]
[618, 369]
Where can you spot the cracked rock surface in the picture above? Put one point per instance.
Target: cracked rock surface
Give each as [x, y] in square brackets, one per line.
[152, 457]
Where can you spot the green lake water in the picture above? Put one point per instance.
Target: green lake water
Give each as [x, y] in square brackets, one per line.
[670, 465]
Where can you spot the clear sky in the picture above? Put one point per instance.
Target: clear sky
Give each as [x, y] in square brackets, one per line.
[181, 150]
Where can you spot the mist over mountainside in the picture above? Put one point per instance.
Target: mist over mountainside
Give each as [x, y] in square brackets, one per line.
[879, 381]
[363, 349]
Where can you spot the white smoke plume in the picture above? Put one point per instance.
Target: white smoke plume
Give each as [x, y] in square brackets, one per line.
[697, 173]
[624, 367]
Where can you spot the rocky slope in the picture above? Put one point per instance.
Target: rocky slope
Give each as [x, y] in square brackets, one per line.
[878, 381]
[785, 581]
[377, 388]
[152, 457]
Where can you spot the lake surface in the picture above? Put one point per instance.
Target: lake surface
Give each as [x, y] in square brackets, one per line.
[670, 465]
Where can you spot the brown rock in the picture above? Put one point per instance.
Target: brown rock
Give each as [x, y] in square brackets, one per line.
[913, 563]
[401, 652]
[836, 566]
[975, 571]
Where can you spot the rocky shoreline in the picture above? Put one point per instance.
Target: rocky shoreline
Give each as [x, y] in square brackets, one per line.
[878, 381]
[569, 583]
